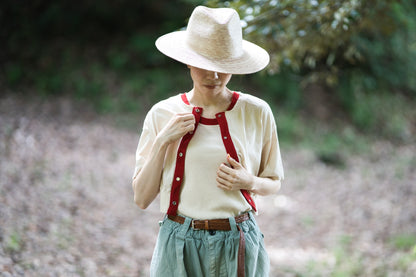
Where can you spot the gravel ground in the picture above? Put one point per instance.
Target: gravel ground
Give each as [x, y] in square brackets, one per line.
[66, 203]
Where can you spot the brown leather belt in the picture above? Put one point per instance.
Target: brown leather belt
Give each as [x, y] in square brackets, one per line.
[211, 224]
[221, 225]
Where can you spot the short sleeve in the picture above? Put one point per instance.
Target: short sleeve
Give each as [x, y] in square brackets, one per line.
[144, 146]
[271, 161]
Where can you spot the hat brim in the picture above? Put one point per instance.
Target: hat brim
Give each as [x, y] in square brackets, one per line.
[253, 59]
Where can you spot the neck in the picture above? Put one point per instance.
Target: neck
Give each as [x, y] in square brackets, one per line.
[211, 103]
[206, 100]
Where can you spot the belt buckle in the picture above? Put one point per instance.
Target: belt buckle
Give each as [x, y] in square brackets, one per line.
[193, 225]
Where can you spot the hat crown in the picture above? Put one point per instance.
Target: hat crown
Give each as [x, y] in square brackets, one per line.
[215, 33]
[214, 41]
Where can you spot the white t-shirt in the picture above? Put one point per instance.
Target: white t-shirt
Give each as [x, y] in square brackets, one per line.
[253, 131]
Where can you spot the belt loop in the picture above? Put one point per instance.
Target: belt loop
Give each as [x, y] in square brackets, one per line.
[250, 213]
[233, 224]
[184, 228]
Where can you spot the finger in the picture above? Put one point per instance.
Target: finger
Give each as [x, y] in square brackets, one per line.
[178, 128]
[190, 128]
[186, 116]
[189, 124]
[226, 177]
[185, 120]
[181, 114]
[182, 117]
[233, 162]
[221, 175]
[223, 184]
[227, 169]
[223, 187]
[185, 124]
[189, 119]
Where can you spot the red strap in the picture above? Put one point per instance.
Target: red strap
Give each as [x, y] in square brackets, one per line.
[180, 165]
[229, 146]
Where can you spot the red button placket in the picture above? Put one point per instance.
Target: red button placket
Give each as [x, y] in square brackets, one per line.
[229, 146]
[180, 165]
[183, 145]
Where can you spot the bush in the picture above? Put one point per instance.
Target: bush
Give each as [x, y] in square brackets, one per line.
[324, 41]
[361, 50]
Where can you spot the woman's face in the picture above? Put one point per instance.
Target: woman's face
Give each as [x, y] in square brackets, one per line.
[209, 81]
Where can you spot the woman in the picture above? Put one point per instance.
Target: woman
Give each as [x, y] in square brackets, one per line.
[209, 152]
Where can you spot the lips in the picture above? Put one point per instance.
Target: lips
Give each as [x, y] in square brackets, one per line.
[212, 86]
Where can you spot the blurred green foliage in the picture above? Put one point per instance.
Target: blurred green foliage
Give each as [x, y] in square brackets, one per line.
[102, 52]
[362, 52]
[359, 49]
[328, 39]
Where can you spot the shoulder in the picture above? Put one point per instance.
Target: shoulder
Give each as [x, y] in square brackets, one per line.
[167, 104]
[163, 110]
[251, 102]
[255, 110]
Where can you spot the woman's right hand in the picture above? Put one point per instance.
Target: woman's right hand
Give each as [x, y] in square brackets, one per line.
[147, 181]
[177, 127]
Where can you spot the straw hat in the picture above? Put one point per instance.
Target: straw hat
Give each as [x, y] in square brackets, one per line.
[213, 41]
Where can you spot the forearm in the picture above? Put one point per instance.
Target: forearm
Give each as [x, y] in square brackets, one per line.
[265, 186]
[146, 183]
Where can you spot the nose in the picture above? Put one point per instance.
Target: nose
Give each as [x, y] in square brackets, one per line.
[212, 75]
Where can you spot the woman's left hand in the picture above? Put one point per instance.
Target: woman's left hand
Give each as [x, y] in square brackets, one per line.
[234, 176]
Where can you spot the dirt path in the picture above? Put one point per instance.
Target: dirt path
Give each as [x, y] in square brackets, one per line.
[66, 205]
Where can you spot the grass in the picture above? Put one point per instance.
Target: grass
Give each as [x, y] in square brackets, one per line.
[64, 234]
[407, 259]
[347, 262]
[14, 243]
[350, 262]
[331, 143]
[404, 242]
[405, 246]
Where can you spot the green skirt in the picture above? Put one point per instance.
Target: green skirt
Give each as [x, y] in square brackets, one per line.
[182, 251]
